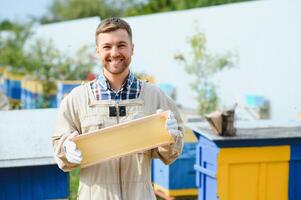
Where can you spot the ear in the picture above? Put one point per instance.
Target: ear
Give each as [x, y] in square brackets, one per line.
[97, 50]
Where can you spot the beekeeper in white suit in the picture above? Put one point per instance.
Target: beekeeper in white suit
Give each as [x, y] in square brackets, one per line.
[114, 96]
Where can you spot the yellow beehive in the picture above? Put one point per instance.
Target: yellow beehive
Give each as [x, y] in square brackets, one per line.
[253, 173]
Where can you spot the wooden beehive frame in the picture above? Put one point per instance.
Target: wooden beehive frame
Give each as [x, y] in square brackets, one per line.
[123, 139]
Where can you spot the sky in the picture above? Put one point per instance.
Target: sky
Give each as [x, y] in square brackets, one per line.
[19, 10]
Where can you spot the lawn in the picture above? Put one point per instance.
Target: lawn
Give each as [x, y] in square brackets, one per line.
[73, 186]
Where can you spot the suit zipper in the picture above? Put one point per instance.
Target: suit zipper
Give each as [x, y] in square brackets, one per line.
[117, 112]
[120, 179]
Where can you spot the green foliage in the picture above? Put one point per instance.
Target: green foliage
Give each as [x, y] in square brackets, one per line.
[74, 181]
[6, 25]
[77, 68]
[41, 61]
[203, 66]
[12, 45]
[72, 9]
[48, 65]
[43, 57]
[154, 6]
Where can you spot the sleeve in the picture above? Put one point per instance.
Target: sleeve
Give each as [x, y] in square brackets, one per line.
[169, 153]
[66, 123]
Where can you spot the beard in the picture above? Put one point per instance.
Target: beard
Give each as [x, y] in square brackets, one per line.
[116, 68]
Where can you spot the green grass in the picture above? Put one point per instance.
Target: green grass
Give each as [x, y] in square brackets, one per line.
[73, 186]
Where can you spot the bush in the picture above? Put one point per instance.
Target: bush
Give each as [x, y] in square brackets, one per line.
[202, 66]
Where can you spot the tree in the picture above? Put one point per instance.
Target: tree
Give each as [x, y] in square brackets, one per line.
[77, 68]
[49, 65]
[202, 66]
[43, 59]
[153, 6]
[12, 47]
[6, 25]
[61, 10]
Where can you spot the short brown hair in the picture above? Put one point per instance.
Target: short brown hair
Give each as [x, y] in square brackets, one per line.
[112, 24]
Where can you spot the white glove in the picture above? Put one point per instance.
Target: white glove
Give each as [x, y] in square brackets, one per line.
[73, 155]
[172, 126]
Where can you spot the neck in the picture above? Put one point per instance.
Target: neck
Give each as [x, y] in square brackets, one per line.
[116, 80]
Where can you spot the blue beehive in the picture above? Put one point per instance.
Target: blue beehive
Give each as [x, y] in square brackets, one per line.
[12, 85]
[224, 163]
[206, 153]
[64, 88]
[33, 182]
[27, 167]
[32, 95]
[178, 178]
[5, 86]
[152, 170]
[295, 172]
[15, 87]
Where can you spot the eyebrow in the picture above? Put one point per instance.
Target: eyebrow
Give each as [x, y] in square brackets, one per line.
[105, 44]
[121, 42]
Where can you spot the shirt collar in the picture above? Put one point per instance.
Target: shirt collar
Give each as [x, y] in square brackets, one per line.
[104, 83]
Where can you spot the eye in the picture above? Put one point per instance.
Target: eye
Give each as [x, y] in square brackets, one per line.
[107, 47]
[122, 46]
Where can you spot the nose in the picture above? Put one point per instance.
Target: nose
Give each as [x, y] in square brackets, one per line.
[115, 52]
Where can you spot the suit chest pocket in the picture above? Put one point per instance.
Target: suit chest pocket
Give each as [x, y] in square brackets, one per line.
[91, 123]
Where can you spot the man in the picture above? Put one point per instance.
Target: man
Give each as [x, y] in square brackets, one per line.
[113, 97]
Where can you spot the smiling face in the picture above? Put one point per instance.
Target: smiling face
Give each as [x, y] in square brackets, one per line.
[115, 50]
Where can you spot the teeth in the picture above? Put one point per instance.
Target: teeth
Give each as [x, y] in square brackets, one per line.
[115, 60]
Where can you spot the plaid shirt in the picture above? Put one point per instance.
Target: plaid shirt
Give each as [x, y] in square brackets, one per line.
[102, 90]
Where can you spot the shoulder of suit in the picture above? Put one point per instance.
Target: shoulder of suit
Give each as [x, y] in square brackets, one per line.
[151, 86]
[80, 90]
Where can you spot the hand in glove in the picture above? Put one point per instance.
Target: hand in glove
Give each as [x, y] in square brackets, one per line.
[73, 155]
[172, 126]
